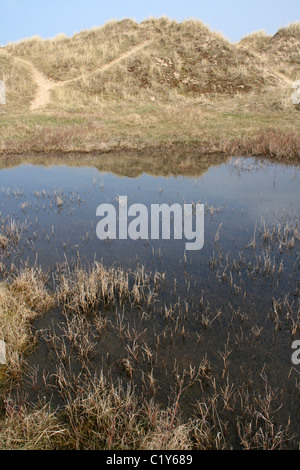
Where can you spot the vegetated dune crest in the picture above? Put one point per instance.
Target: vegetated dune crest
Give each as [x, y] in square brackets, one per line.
[157, 59]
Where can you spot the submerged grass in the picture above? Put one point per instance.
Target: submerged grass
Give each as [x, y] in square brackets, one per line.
[100, 416]
[75, 405]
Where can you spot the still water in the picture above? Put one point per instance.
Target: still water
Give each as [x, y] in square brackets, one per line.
[57, 206]
[250, 258]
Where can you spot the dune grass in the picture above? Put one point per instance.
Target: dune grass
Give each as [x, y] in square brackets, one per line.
[131, 85]
[19, 85]
[280, 52]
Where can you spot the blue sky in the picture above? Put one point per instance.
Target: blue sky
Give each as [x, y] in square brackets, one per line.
[234, 18]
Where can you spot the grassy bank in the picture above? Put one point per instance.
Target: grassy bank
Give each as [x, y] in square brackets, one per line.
[118, 127]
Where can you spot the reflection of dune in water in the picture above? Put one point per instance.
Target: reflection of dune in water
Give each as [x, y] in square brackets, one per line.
[130, 164]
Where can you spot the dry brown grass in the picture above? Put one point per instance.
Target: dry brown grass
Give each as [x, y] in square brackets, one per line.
[98, 415]
[279, 145]
[3, 242]
[207, 125]
[85, 291]
[22, 298]
[30, 285]
[179, 60]
[96, 412]
[19, 84]
[281, 51]
[101, 416]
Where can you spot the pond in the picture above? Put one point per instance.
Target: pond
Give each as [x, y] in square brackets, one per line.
[234, 303]
[57, 208]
